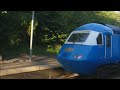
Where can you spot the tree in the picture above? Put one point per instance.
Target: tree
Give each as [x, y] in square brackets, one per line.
[50, 27]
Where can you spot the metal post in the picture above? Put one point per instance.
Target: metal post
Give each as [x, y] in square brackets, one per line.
[31, 36]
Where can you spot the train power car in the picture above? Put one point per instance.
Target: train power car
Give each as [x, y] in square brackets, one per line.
[89, 47]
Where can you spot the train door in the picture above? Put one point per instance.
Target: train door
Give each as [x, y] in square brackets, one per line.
[108, 45]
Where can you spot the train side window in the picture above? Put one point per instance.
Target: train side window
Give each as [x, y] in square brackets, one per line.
[99, 39]
[108, 40]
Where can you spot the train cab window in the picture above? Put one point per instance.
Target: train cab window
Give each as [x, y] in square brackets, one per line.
[78, 37]
[99, 39]
[85, 38]
[108, 40]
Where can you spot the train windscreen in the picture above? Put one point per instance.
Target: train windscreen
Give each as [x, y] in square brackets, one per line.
[85, 38]
[78, 37]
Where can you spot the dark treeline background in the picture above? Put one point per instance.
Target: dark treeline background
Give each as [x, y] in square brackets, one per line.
[51, 29]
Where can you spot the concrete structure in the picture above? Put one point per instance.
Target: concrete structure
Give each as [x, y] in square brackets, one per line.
[20, 67]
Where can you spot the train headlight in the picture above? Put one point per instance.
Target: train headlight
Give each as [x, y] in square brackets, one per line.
[77, 56]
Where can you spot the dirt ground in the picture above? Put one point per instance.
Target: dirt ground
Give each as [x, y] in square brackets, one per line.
[43, 74]
[58, 73]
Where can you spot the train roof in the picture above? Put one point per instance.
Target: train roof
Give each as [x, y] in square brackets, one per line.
[115, 29]
[104, 28]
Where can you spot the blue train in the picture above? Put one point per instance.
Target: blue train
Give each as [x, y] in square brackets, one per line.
[89, 47]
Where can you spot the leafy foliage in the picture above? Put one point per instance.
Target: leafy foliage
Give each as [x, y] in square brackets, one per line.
[51, 28]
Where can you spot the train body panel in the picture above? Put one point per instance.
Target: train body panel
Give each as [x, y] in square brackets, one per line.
[77, 60]
[88, 47]
[116, 47]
